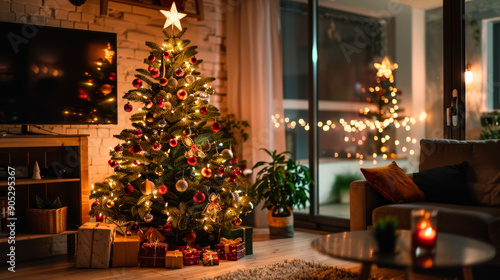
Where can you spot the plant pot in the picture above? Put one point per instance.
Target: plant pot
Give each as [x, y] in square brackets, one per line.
[280, 227]
[46, 220]
[386, 242]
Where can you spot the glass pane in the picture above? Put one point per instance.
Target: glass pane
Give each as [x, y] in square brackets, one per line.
[373, 69]
[482, 76]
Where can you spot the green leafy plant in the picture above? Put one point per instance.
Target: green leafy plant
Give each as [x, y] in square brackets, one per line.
[341, 184]
[281, 183]
[384, 231]
[47, 204]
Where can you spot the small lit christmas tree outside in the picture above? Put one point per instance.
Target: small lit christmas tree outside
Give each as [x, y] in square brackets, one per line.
[384, 95]
[174, 170]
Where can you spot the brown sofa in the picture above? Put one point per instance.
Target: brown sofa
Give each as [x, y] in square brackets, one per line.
[480, 220]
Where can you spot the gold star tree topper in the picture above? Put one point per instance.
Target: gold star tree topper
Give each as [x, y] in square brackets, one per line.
[173, 17]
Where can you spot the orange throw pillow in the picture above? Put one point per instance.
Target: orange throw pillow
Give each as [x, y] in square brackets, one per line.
[393, 183]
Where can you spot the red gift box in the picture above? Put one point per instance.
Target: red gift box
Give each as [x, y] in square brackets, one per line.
[190, 254]
[231, 250]
[210, 258]
[152, 254]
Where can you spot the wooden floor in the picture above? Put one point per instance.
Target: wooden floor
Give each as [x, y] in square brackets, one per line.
[266, 251]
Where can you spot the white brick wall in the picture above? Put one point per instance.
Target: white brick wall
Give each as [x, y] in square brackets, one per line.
[133, 25]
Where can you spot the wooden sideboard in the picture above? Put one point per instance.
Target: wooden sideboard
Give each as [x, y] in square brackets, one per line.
[54, 154]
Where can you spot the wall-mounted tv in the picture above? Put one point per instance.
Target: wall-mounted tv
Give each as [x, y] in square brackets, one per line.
[57, 76]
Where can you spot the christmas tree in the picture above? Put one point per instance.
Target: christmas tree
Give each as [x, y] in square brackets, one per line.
[174, 170]
[384, 95]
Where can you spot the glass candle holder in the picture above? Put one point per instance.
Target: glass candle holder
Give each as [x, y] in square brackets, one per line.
[424, 230]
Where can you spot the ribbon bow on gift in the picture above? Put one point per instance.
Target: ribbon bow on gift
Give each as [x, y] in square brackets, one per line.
[151, 236]
[226, 241]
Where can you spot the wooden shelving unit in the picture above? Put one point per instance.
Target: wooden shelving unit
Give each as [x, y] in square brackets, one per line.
[194, 14]
[50, 151]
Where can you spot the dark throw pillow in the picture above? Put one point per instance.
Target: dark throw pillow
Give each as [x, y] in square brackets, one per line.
[393, 183]
[446, 184]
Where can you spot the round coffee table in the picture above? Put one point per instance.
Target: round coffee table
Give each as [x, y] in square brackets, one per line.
[360, 246]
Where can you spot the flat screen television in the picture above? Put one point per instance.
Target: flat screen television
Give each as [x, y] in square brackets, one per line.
[54, 75]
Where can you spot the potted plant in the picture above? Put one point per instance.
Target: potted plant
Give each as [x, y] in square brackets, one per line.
[283, 185]
[385, 234]
[340, 189]
[47, 217]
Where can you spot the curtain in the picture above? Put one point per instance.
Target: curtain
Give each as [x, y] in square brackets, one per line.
[255, 80]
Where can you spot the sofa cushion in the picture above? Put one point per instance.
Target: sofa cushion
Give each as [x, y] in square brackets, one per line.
[483, 174]
[477, 222]
[393, 183]
[445, 184]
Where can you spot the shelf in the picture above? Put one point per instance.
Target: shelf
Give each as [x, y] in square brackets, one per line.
[30, 236]
[198, 14]
[20, 182]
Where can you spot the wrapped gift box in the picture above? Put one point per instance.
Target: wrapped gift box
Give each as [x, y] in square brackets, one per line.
[152, 254]
[94, 245]
[125, 251]
[190, 254]
[174, 259]
[244, 232]
[231, 250]
[210, 258]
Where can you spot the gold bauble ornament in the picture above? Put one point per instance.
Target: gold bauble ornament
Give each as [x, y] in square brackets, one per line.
[106, 89]
[110, 203]
[172, 82]
[148, 104]
[147, 187]
[206, 172]
[159, 170]
[206, 146]
[246, 204]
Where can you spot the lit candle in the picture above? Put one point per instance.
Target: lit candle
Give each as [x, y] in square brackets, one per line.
[426, 235]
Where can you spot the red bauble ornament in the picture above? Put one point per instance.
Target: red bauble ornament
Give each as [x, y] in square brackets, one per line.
[161, 103]
[167, 226]
[134, 227]
[156, 146]
[173, 142]
[166, 54]
[163, 81]
[206, 172]
[151, 58]
[150, 68]
[163, 189]
[216, 127]
[203, 110]
[193, 60]
[128, 190]
[112, 163]
[136, 149]
[190, 238]
[128, 107]
[182, 94]
[138, 133]
[232, 177]
[112, 77]
[95, 203]
[199, 197]
[237, 221]
[82, 94]
[118, 148]
[137, 83]
[191, 160]
[179, 72]
[220, 170]
[237, 171]
[233, 161]
[155, 73]
[136, 163]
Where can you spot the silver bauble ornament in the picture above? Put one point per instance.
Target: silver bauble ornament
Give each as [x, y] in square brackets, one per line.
[206, 146]
[189, 79]
[181, 185]
[148, 218]
[227, 153]
[147, 187]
